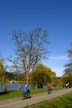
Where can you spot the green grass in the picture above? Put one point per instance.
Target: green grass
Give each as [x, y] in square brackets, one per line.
[11, 94]
[42, 90]
[64, 101]
[17, 93]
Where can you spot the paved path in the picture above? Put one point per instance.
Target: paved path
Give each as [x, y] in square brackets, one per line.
[18, 103]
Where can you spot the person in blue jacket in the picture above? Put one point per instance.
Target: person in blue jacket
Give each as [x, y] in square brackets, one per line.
[26, 90]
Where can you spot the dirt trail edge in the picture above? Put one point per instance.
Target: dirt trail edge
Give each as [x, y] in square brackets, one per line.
[18, 103]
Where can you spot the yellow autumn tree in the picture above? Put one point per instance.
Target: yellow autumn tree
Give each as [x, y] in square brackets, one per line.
[41, 75]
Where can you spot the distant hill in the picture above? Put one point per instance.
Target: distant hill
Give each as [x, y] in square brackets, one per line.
[13, 76]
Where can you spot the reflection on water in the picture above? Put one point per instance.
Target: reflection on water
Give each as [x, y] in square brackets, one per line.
[10, 86]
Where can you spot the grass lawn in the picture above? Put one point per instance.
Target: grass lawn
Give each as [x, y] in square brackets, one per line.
[64, 101]
[17, 93]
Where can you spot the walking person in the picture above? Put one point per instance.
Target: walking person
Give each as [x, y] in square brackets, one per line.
[49, 88]
[67, 85]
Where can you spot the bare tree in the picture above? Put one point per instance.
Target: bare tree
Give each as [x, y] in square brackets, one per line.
[31, 48]
[68, 66]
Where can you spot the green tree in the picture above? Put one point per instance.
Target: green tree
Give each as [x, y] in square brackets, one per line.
[3, 76]
[1, 71]
[41, 75]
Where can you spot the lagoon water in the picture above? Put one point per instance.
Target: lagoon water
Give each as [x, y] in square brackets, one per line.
[10, 86]
[17, 86]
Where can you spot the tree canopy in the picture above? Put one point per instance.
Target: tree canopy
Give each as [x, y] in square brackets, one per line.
[1, 71]
[42, 75]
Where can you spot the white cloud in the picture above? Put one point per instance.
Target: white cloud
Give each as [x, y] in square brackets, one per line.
[59, 70]
[58, 58]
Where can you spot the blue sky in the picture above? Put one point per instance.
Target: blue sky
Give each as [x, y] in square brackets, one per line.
[25, 15]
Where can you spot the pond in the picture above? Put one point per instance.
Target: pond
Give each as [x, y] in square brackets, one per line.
[10, 86]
